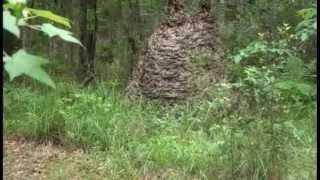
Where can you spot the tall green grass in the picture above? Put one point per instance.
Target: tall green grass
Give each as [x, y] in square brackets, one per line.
[197, 140]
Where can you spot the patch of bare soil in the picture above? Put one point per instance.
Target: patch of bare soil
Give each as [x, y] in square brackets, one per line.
[27, 160]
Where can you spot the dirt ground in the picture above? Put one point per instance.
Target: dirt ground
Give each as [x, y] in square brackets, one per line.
[24, 160]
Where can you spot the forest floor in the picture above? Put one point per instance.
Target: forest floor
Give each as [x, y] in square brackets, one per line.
[28, 160]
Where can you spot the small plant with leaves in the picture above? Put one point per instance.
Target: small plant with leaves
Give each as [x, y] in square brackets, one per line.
[273, 77]
[15, 15]
[279, 57]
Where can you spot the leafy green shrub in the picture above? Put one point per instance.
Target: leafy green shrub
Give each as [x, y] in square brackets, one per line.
[272, 76]
[16, 14]
[274, 65]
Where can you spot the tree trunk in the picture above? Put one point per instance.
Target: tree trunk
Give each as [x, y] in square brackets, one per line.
[53, 43]
[83, 37]
[88, 28]
[134, 33]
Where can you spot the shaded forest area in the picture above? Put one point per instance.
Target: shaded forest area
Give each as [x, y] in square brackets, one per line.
[123, 26]
[167, 89]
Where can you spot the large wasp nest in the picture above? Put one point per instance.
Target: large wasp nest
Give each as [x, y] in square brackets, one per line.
[181, 58]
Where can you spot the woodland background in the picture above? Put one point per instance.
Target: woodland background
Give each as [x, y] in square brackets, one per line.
[258, 123]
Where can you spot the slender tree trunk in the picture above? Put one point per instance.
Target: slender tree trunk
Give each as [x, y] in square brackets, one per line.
[88, 28]
[53, 43]
[83, 39]
[92, 37]
[26, 35]
[134, 33]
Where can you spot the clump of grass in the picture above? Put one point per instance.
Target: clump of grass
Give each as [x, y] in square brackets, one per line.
[143, 139]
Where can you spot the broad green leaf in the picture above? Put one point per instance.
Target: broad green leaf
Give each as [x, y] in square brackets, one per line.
[10, 23]
[23, 63]
[52, 31]
[51, 16]
[8, 6]
[6, 58]
[17, 1]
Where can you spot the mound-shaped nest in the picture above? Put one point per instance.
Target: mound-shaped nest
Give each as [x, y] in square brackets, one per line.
[181, 58]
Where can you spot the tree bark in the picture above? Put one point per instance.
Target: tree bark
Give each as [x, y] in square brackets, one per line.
[83, 37]
[88, 28]
[134, 33]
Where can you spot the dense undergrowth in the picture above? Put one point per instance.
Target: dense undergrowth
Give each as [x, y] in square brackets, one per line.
[201, 140]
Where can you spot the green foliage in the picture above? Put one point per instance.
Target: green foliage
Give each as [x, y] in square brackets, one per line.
[10, 23]
[50, 16]
[52, 31]
[139, 139]
[23, 63]
[296, 88]
[252, 48]
[274, 64]
[16, 6]
[17, 1]
[258, 125]
[195, 149]
[272, 78]
[308, 27]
